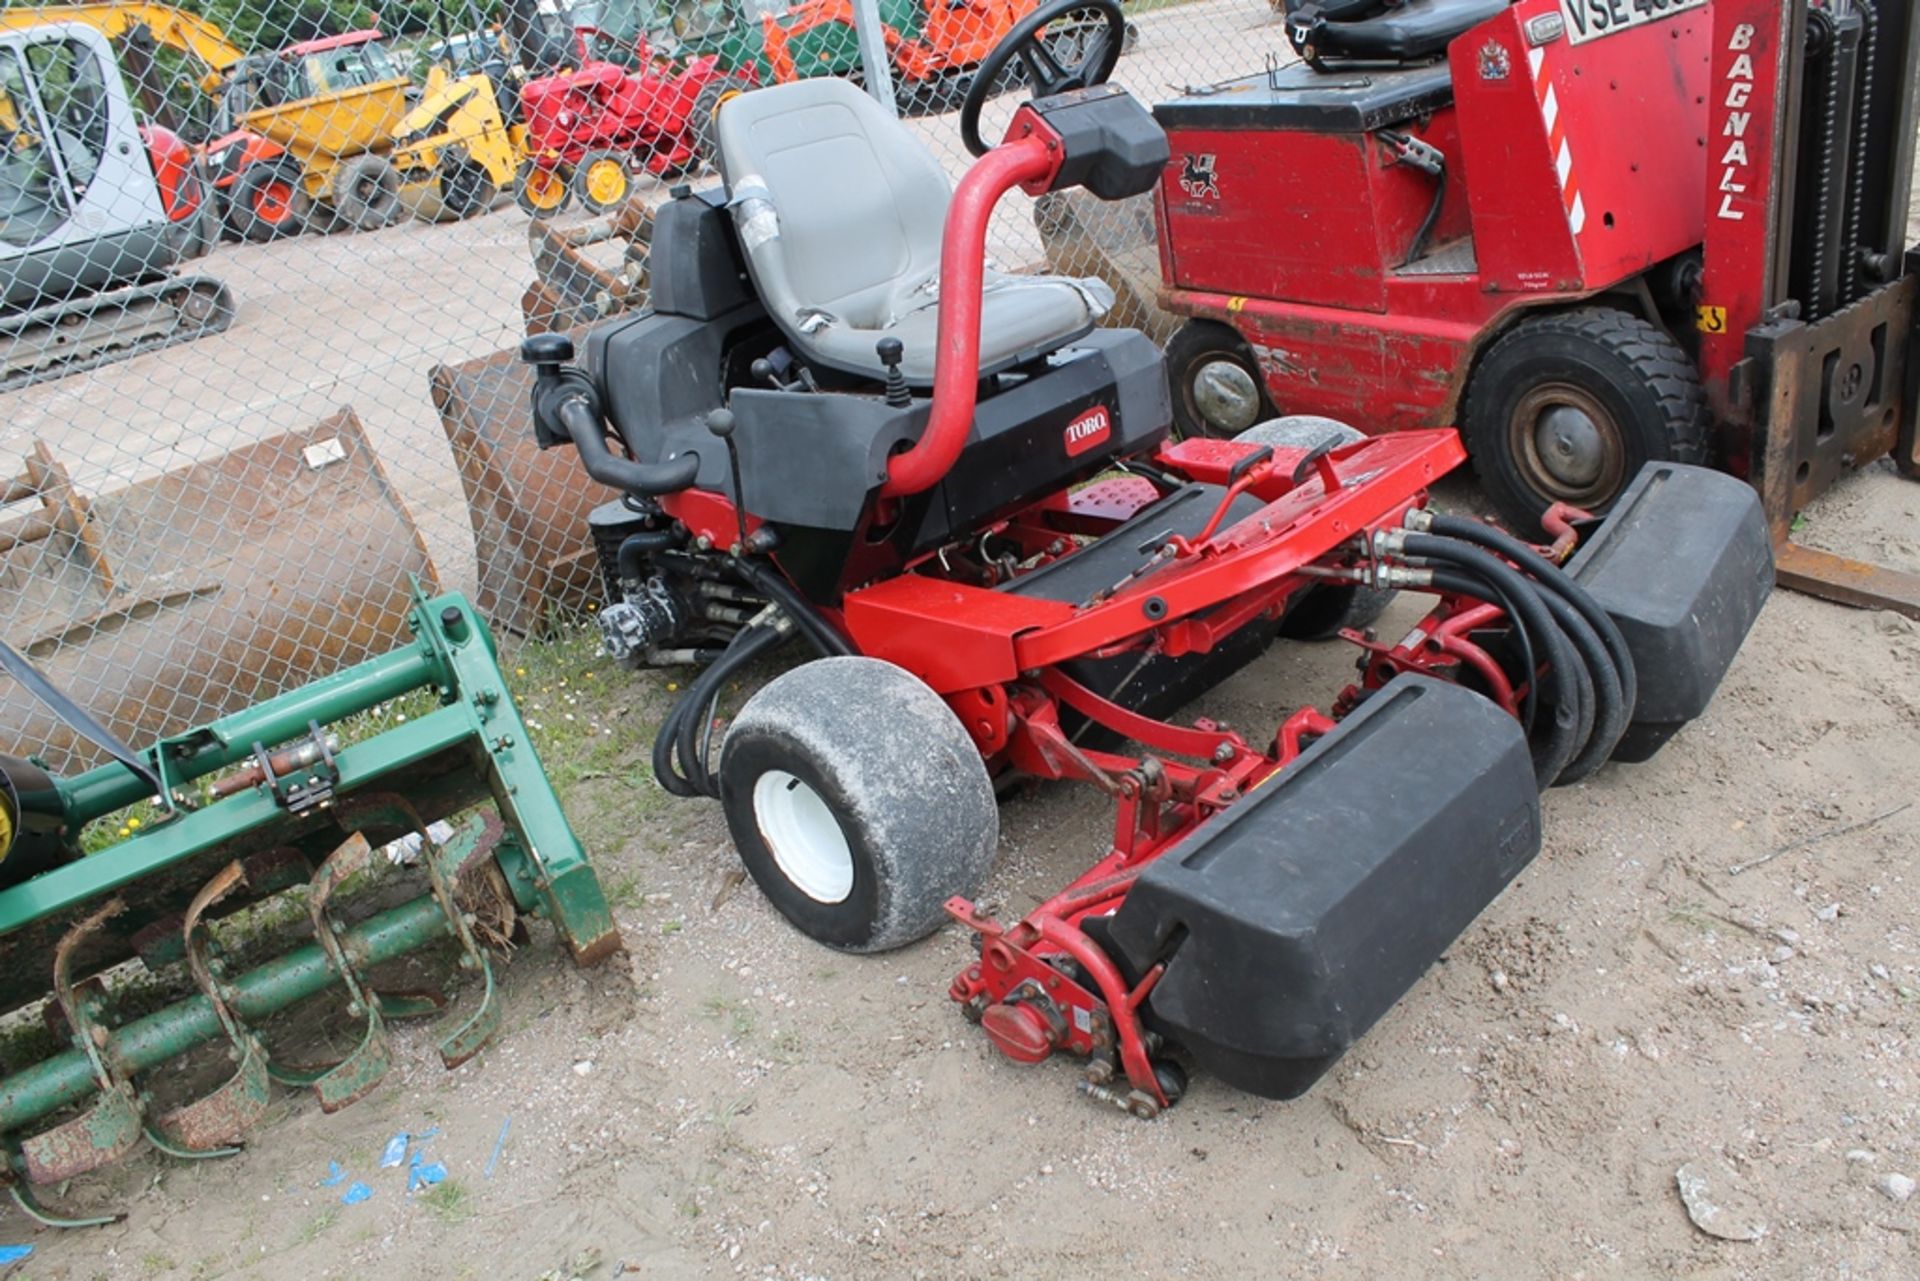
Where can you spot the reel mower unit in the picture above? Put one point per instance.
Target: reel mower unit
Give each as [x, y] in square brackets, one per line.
[836, 426]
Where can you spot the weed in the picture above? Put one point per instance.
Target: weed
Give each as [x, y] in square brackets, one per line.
[450, 1201]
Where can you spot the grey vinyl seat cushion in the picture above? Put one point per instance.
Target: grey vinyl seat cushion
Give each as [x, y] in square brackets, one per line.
[840, 210]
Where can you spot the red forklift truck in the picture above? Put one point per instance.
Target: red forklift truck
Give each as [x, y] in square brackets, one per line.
[1590, 235]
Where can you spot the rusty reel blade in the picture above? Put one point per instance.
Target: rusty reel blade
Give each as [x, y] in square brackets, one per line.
[212, 1126]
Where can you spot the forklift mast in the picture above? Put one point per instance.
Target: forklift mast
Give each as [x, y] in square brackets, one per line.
[1806, 305]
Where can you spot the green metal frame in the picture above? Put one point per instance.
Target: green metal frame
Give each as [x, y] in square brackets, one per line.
[149, 895]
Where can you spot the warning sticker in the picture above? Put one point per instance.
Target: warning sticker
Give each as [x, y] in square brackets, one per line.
[1710, 320]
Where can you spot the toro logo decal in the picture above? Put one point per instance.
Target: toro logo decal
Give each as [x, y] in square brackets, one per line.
[1089, 429]
[1197, 179]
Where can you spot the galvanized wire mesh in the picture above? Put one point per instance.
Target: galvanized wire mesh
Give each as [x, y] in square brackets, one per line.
[249, 392]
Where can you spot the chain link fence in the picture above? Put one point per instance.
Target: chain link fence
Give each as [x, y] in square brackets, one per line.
[267, 264]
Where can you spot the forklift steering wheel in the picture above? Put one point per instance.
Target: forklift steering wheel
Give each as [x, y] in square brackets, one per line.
[1096, 52]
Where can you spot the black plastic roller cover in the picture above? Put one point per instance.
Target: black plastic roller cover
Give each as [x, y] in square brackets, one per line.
[1683, 564]
[1292, 922]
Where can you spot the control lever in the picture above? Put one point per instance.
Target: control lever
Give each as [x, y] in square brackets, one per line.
[768, 371]
[720, 423]
[891, 352]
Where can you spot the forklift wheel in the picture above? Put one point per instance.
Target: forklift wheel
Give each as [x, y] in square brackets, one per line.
[1323, 611]
[268, 203]
[858, 802]
[1214, 381]
[1567, 406]
[540, 192]
[601, 181]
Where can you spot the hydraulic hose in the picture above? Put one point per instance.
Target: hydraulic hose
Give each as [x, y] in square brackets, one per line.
[1609, 709]
[1556, 580]
[635, 548]
[577, 415]
[681, 731]
[680, 747]
[1569, 699]
[775, 588]
[1551, 755]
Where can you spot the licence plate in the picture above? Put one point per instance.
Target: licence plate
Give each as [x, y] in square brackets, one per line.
[1591, 19]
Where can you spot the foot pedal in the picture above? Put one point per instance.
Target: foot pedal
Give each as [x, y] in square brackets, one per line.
[1682, 564]
[1289, 924]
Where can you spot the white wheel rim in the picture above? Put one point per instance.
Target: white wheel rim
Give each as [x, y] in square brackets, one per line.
[803, 836]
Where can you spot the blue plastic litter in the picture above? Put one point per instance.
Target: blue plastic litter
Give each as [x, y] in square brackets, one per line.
[14, 1253]
[498, 1143]
[335, 1175]
[425, 1176]
[396, 1152]
[356, 1193]
[424, 1135]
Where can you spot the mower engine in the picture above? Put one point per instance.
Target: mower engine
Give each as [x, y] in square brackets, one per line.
[836, 426]
[296, 795]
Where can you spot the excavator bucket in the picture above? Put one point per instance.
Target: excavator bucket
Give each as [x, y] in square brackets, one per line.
[180, 988]
[530, 510]
[588, 271]
[181, 597]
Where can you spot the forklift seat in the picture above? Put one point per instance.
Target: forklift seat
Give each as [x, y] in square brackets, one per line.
[839, 209]
[1348, 31]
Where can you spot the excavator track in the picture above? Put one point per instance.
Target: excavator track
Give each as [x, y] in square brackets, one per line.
[84, 333]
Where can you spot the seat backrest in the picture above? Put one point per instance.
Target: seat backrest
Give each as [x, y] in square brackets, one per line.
[857, 202]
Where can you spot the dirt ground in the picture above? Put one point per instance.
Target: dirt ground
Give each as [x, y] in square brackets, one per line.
[728, 1099]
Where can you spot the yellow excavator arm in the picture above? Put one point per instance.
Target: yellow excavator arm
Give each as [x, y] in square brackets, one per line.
[200, 40]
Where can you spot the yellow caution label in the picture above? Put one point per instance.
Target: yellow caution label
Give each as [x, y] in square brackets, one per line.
[1710, 320]
[1236, 304]
[6, 829]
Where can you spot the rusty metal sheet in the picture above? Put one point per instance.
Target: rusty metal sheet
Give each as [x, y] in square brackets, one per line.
[588, 271]
[194, 593]
[1846, 581]
[529, 509]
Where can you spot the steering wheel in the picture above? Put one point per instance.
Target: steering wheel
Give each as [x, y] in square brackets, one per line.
[1097, 53]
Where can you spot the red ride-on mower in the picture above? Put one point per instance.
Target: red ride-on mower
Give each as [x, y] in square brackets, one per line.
[835, 426]
[589, 129]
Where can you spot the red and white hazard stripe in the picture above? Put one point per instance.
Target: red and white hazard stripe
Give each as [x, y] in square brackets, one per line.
[1557, 140]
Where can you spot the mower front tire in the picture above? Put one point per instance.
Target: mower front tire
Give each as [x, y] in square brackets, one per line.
[541, 192]
[602, 181]
[1214, 381]
[1322, 611]
[858, 802]
[1569, 405]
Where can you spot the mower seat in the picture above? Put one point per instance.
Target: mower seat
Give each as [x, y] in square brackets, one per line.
[839, 210]
[1345, 31]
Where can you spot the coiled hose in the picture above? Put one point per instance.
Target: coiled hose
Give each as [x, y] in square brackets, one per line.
[1590, 684]
[681, 749]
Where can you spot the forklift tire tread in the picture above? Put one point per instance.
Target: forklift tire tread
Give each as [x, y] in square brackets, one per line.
[1624, 363]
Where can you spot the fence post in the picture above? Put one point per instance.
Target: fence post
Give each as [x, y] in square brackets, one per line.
[875, 68]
